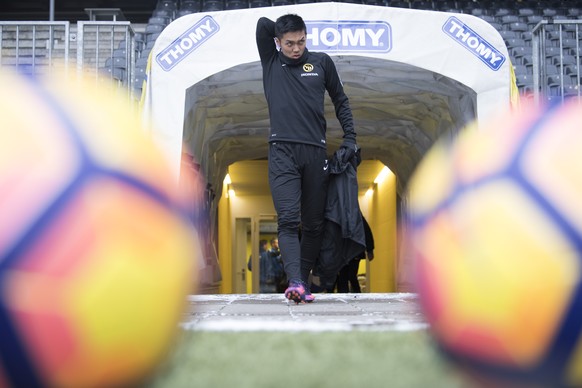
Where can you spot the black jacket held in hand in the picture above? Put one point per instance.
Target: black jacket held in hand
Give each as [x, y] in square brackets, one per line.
[343, 235]
[295, 91]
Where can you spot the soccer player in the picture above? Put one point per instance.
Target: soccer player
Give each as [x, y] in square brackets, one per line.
[295, 81]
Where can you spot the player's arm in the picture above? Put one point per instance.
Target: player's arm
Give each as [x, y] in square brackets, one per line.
[341, 103]
[266, 38]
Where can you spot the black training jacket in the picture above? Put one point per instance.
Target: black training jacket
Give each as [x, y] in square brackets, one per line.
[295, 92]
[343, 235]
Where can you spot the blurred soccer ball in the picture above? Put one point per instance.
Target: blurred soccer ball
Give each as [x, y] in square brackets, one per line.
[496, 231]
[96, 257]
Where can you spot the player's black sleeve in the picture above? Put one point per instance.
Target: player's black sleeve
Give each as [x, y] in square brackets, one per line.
[340, 101]
[265, 38]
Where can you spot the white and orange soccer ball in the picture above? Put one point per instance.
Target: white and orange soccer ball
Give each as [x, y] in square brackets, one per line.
[496, 231]
[96, 254]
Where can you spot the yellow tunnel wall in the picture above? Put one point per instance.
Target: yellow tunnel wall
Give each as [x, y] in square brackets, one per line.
[378, 206]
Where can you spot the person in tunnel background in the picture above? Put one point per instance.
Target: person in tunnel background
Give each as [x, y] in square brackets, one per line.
[266, 269]
[295, 81]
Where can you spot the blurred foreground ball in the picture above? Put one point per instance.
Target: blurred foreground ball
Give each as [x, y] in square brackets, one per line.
[95, 256]
[497, 237]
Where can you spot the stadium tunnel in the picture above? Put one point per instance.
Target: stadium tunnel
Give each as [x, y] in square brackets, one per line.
[419, 85]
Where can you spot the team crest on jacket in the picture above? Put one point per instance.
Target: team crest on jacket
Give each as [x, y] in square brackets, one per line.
[308, 68]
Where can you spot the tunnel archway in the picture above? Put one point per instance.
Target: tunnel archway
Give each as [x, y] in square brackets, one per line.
[420, 76]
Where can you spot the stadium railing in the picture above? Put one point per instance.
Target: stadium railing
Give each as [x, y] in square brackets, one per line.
[34, 46]
[110, 48]
[556, 59]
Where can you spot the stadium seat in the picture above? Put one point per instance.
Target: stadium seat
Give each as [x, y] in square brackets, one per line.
[115, 73]
[515, 42]
[508, 19]
[551, 69]
[139, 41]
[509, 34]
[465, 6]
[184, 12]
[517, 26]
[479, 12]
[521, 52]
[527, 61]
[569, 46]
[524, 13]
[164, 13]
[282, 2]
[488, 18]
[141, 62]
[259, 3]
[140, 72]
[534, 19]
[523, 79]
[572, 71]
[562, 85]
[420, 4]
[117, 62]
[570, 30]
[151, 38]
[381, 3]
[119, 53]
[121, 63]
[444, 5]
[138, 84]
[520, 69]
[212, 5]
[554, 36]
[158, 20]
[496, 25]
[166, 4]
[574, 12]
[145, 53]
[190, 5]
[565, 60]
[399, 4]
[552, 52]
[549, 12]
[154, 28]
[527, 36]
[500, 12]
[169, 5]
[557, 79]
[236, 4]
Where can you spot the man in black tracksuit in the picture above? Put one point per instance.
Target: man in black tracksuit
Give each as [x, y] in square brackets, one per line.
[295, 81]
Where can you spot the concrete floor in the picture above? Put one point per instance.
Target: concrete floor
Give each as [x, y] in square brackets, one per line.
[329, 312]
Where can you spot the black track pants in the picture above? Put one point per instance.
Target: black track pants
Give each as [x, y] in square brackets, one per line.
[298, 176]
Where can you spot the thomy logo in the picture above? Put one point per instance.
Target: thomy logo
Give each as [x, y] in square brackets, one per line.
[187, 42]
[348, 36]
[473, 42]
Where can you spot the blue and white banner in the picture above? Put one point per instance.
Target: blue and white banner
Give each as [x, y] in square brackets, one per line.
[472, 41]
[349, 36]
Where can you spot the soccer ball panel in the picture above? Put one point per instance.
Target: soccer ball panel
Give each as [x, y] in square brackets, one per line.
[498, 254]
[551, 163]
[97, 254]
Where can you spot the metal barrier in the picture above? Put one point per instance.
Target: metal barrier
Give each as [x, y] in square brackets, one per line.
[556, 59]
[34, 47]
[110, 48]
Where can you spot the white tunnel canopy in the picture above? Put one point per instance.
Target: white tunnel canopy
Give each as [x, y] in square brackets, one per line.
[411, 76]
